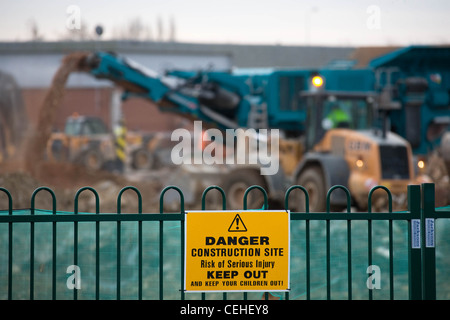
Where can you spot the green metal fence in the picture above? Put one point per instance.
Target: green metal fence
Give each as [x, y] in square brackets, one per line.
[140, 255]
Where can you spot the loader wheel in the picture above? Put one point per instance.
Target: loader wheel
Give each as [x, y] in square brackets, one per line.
[236, 183]
[312, 180]
[437, 171]
[59, 152]
[142, 159]
[93, 160]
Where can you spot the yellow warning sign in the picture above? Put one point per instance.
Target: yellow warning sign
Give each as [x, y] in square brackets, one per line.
[237, 250]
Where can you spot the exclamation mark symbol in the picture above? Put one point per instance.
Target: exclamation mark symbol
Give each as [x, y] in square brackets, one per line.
[237, 225]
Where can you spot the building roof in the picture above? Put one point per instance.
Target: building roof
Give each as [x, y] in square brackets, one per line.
[38, 71]
[243, 56]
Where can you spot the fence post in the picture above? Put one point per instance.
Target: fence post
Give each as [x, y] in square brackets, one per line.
[349, 243]
[391, 245]
[265, 206]
[414, 252]
[75, 237]
[224, 199]
[307, 235]
[427, 220]
[119, 210]
[32, 239]
[224, 207]
[10, 241]
[161, 210]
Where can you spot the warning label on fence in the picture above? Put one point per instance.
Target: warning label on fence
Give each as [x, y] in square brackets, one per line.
[237, 251]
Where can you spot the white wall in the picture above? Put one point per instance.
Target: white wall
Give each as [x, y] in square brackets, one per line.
[37, 70]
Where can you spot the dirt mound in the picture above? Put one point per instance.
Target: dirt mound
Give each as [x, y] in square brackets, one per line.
[65, 179]
[67, 175]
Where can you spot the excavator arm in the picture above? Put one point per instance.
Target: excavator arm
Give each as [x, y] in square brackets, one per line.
[133, 78]
[202, 96]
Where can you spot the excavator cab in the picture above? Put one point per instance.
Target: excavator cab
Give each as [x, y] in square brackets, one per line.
[328, 111]
[82, 125]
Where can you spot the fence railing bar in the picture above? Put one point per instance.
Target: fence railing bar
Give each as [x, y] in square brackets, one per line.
[10, 241]
[54, 245]
[118, 257]
[391, 259]
[369, 249]
[32, 259]
[224, 207]
[205, 192]
[97, 237]
[87, 217]
[97, 248]
[32, 238]
[119, 210]
[328, 257]
[75, 241]
[182, 242]
[354, 216]
[349, 259]
[370, 245]
[109, 217]
[265, 207]
[414, 253]
[307, 237]
[428, 242]
[161, 249]
[349, 248]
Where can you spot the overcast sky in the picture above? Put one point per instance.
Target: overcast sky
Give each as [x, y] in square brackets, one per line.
[285, 22]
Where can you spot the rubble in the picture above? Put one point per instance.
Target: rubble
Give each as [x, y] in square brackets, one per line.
[66, 179]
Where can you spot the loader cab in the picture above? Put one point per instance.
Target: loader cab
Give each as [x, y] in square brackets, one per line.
[328, 110]
[84, 126]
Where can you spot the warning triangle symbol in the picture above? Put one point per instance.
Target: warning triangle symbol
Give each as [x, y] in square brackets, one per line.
[237, 225]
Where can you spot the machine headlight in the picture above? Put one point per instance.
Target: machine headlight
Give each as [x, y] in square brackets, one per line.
[421, 164]
[317, 81]
[360, 163]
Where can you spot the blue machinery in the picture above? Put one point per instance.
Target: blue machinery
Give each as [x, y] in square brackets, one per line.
[406, 92]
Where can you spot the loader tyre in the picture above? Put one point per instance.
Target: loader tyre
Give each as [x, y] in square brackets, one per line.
[236, 183]
[311, 178]
[59, 152]
[438, 172]
[92, 159]
[142, 160]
